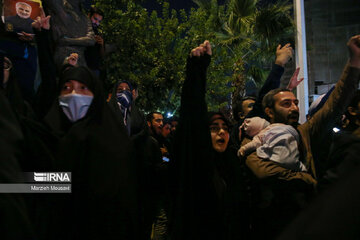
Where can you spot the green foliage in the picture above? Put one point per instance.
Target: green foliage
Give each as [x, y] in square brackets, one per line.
[251, 35]
[152, 50]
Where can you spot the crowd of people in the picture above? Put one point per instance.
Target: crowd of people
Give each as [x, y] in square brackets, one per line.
[195, 176]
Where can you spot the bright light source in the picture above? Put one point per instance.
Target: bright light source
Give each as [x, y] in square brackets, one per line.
[169, 115]
[336, 130]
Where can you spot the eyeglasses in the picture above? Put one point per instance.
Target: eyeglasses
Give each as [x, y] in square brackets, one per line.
[216, 129]
[7, 64]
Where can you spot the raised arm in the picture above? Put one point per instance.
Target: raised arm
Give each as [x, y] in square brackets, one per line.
[341, 96]
[47, 90]
[283, 56]
[194, 88]
[195, 199]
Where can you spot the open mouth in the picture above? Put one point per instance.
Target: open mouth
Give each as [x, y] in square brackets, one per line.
[220, 141]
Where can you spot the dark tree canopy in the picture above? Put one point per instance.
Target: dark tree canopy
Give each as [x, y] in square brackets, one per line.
[152, 47]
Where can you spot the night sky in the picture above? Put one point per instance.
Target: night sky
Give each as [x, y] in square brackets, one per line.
[176, 4]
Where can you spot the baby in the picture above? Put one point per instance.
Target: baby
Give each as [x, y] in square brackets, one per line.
[276, 142]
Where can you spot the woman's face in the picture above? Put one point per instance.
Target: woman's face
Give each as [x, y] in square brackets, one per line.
[74, 86]
[219, 135]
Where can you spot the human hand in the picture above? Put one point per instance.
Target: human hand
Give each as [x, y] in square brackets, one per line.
[26, 37]
[241, 152]
[306, 177]
[164, 151]
[42, 21]
[72, 59]
[204, 48]
[354, 49]
[36, 23]
[45, 20]
[294, 82]
[283, 54]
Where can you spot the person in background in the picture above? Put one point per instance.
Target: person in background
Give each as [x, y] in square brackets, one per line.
[166, 141]
[166, 130]
[174, 122]
[138, 122]
[153, 177]
[121, 101]
[71, 29]
[94, 55]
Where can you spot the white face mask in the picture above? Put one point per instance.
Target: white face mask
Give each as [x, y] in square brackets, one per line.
[75, 106]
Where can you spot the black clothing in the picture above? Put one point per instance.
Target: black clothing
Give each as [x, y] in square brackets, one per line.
[137, 120]
[98, 152]
[93, 57]
[152, 178]
[46, 93]
[18, 24]
[209, 201]
[334, 214]
[14, 218]
[151, 171]
[37, 147]
[37, 154]
[343, 157]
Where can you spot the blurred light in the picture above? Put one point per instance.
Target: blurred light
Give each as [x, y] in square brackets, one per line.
[169, 115]
[336, 130]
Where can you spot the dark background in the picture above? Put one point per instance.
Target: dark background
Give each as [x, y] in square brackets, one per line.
[179, 4]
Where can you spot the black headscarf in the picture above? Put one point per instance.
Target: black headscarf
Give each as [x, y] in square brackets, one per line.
[98, 152]
[85, 76]
[212, 116]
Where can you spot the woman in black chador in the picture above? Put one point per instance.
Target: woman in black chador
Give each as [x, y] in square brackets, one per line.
[210, 200]
[97, 151]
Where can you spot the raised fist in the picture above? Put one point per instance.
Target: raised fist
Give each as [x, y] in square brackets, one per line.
[201, 49]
